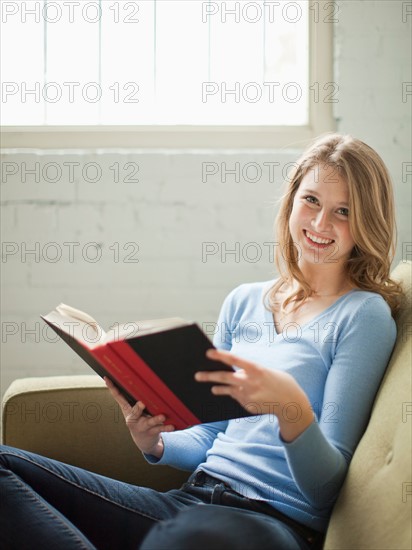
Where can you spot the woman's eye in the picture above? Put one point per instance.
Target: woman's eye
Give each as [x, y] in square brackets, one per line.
[343, 211]
[311, 199]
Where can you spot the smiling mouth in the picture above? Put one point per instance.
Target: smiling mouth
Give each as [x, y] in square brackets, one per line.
[317, 240]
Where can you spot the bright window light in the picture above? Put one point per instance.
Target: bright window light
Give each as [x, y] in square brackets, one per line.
[155, 62]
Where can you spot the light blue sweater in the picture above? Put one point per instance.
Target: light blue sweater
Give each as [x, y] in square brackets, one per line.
[338, 358]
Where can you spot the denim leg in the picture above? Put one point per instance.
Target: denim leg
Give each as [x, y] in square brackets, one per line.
[222, 528]
[48, 504]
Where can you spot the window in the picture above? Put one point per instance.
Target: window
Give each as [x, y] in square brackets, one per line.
[187, 72]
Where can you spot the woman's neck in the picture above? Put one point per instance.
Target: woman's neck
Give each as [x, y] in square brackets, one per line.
[326, 280]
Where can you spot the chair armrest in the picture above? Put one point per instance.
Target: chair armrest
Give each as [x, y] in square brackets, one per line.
[75, 420]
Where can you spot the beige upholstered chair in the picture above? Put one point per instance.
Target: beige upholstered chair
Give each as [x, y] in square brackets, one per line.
[73, 419]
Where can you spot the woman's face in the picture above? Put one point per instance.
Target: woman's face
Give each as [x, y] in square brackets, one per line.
[319, 222]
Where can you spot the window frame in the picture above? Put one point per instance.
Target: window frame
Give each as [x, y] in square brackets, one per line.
[321, 120]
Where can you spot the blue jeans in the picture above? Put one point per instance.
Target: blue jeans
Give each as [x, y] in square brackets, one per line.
[48, 504]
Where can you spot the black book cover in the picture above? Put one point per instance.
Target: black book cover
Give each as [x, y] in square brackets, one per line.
[175, 355]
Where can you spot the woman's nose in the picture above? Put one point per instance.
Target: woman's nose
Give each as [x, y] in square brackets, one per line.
[321, 222]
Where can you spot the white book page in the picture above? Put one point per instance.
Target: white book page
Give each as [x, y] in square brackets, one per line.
[86, 329]
[77, 314]
[82, 329]
[124, 331]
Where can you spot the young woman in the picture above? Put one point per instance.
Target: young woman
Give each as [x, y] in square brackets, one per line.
[309, 350]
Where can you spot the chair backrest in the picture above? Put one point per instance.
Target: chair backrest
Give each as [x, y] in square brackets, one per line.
[373, 510]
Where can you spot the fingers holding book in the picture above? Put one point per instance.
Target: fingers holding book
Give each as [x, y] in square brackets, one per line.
[144, 428]
[131, 413]
[123, 403]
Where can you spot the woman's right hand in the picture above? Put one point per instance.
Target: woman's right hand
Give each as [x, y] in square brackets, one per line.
[144, 429]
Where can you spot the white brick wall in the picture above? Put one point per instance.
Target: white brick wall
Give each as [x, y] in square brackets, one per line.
[174, 209]
[373, 44]
[166, 217]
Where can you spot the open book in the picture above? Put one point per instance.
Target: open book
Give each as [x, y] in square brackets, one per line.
[153, 361]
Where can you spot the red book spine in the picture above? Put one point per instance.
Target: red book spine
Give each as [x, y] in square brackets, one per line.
[135, 384]
[116, 369]
[143, 370]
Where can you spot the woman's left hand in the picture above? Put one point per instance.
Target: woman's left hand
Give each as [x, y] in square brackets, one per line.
[261, 391]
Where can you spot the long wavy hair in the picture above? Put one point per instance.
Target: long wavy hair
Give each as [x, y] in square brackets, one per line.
[371, 220]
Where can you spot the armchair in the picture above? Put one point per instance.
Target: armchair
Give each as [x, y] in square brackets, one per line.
[74, 419]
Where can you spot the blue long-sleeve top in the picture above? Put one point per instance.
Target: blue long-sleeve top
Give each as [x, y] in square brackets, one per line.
[338, 358]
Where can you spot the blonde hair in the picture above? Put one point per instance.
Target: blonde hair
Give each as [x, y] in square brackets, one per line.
[371, 219]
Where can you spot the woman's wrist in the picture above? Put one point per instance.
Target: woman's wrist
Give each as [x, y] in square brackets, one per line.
[297, 415]
[158, 449]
